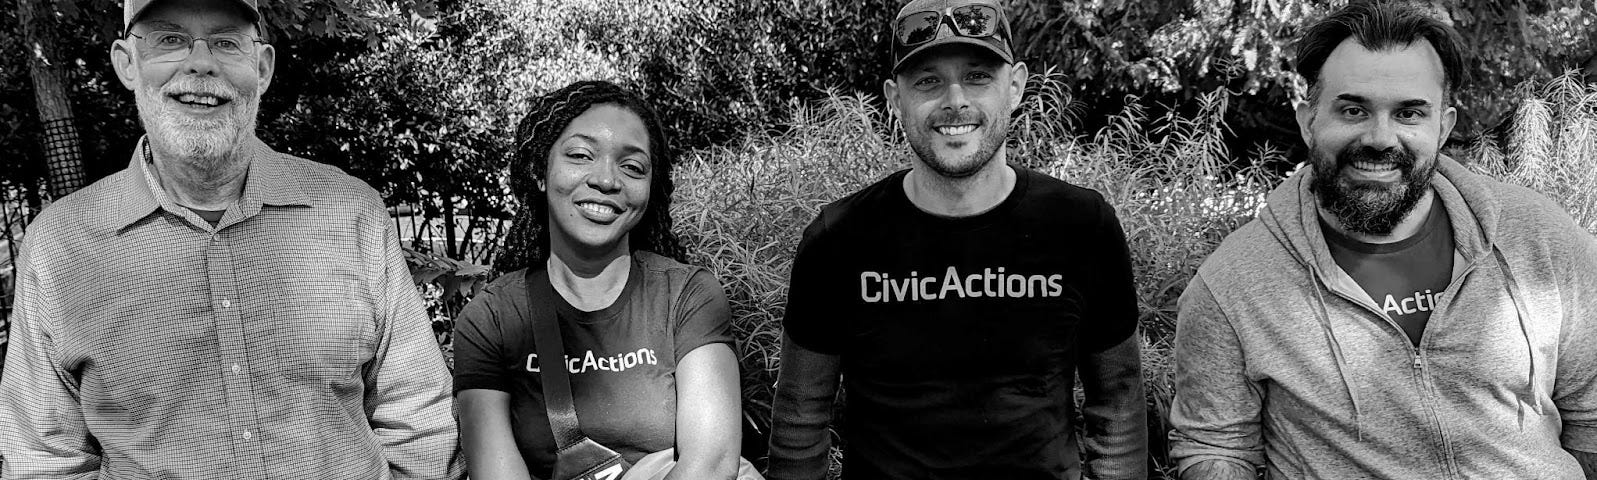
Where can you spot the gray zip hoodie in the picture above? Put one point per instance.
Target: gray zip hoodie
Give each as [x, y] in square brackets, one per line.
[1283, 361]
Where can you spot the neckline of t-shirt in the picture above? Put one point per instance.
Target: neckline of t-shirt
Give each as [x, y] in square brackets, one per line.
[1022, 182]
[634, 276]
[1433, 223]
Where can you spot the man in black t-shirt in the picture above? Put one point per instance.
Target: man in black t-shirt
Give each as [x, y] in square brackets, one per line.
[959, 299]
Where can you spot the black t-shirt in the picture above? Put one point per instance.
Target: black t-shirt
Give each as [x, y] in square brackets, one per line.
[959, 337]
[621, 359]
[1403, 277]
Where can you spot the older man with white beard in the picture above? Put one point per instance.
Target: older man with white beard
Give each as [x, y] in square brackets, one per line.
[217, 309]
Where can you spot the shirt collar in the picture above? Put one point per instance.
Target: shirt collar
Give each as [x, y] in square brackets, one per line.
[273, 179]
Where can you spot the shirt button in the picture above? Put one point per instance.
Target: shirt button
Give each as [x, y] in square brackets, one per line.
[247, 435]
[226, 303]
[236, 368]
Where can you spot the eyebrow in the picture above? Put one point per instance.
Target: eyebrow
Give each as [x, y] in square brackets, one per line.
[628, 148]
[1417, 102]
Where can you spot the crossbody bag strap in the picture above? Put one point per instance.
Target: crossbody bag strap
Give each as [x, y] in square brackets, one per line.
[551, 360]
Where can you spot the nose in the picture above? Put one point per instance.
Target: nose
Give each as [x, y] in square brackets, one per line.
[1381, 134]
[954, 97]
[604, 176]
[198, 62]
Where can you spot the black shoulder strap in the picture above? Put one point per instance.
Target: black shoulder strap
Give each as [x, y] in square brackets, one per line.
[552, 360]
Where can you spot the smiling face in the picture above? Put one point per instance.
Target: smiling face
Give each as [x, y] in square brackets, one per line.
[954, 102]
[597, 183]
[202, 104]
[1374, 131]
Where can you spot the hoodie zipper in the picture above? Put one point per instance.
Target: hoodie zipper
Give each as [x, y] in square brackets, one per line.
[1436, 308]
[1418, 359]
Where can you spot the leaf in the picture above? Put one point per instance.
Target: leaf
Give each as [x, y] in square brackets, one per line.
[451, 286]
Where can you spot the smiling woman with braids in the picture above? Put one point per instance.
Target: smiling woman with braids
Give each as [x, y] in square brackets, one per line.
[646, 338]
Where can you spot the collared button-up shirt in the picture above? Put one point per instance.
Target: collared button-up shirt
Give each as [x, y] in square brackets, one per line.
[285, 342]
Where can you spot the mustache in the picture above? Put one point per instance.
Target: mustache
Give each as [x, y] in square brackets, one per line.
[200, 86]
[1397, 155]
[956, 117]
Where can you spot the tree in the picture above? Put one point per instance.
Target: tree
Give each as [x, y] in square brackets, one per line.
[63, 154]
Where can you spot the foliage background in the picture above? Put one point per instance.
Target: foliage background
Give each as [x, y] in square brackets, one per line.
[1177, 110]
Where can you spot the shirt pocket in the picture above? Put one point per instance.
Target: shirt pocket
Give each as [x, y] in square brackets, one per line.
[318, 331]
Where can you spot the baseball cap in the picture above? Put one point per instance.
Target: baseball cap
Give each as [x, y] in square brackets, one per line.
[942, 22]
[132, 8]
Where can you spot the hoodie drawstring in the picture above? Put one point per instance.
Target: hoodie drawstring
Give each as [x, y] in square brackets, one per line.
[1336, 353]
[1532, 388]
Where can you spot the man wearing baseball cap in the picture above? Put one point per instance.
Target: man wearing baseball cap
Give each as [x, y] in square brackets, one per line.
[958, 299]
[217, 309]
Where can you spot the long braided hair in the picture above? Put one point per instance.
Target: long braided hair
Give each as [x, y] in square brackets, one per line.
[527, 242]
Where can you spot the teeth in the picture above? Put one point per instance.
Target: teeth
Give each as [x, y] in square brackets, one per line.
[598, 208]
[1374, 166]
[959, 130]
[192, 98]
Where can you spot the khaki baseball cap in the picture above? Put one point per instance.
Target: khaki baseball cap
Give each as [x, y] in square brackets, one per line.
[924, 24]
[132, 8]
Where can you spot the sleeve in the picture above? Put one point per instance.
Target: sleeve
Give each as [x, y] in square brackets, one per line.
[408, 399]
[811, 319]
[1215, 413]
[42, 432]
[1114, 409]
[703, 316]
[807, 379]
[479, 344]
[801, 409]
[1575, 384]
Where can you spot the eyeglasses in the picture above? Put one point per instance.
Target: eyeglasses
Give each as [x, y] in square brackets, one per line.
[174, 46]
[974, 21]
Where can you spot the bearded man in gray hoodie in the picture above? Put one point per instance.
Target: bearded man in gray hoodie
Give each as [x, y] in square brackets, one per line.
[1389, 314]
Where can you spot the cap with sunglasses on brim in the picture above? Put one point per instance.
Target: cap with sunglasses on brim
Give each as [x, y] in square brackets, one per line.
[133, 8]
[924, 24]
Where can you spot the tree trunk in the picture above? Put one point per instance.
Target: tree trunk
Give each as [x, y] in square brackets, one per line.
[62, 150]
[451, 247]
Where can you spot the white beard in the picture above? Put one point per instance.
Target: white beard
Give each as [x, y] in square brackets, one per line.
[206, 145]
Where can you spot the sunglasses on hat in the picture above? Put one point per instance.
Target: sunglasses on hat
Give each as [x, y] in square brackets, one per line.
[975, 21]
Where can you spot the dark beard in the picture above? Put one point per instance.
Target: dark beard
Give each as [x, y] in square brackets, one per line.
[1370, 208]
[969, 165]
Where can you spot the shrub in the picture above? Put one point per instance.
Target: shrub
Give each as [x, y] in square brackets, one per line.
[1550, 146]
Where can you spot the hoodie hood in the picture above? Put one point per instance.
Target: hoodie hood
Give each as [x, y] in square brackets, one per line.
[1291, 215]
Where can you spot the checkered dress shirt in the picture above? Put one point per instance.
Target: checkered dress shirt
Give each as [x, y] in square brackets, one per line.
[286, 342]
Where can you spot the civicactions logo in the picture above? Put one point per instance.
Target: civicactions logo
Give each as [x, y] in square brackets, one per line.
[1412, 304]
[604, 363]
[878, 287]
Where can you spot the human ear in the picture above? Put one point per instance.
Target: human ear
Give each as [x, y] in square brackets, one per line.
[123, 61]
[890, 93]
[266, 65]
[1449, 118]
[1018, 75]
[1305, 116]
